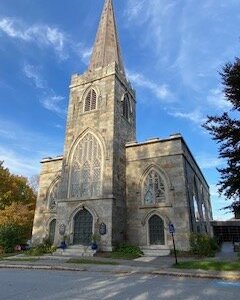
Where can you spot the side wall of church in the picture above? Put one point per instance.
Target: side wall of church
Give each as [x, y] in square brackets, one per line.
[197, 194]
[167, 157]
[50, 171]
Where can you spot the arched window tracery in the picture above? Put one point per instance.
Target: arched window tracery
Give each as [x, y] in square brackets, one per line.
[53, 196]
[86, 169]
[153, 188]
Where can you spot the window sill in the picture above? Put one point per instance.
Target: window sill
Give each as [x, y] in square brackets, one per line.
[159, 205]
[89, 112]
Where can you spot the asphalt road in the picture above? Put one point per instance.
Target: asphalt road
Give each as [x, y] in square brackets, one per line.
[60, 285]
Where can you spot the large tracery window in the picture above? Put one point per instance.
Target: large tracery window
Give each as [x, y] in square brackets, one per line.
[126, 107]
[86, 168]
[53, 196]
[90, 101]
[154, 189]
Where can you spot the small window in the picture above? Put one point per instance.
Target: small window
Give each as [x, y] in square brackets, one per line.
[126, 107]
[90, 101]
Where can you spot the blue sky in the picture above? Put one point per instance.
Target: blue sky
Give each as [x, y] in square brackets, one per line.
[172, 49]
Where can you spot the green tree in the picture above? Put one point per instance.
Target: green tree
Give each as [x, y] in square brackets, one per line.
[17, 205]
[225, 130]
[14, 189]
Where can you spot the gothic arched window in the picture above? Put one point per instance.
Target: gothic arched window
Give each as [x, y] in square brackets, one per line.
[53, 196]
[153, 188]
[86, 169]
[90, 101]
[126, 107]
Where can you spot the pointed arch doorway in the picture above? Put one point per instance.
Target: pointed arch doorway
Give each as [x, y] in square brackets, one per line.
[82, 227]
[156, 230]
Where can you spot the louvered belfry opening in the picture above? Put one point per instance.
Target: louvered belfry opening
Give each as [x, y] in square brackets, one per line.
[91, 101]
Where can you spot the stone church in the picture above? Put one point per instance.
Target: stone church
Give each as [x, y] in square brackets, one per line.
[107, 183]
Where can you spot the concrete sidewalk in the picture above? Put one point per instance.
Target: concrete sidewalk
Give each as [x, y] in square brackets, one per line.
[144, 265]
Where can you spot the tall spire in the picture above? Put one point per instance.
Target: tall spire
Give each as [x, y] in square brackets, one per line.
[106, 48]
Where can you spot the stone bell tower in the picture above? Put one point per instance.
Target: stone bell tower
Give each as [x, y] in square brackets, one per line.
[101, 120]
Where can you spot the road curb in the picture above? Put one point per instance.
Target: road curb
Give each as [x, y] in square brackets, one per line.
[220, 275]
[228, 276]
[37, 267]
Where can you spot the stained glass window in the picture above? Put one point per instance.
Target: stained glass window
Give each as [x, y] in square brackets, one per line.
[154, 190]
[90, 101]
[86, 168]
[53, 196]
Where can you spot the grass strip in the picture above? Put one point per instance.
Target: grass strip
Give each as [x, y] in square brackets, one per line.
[90, 261]
[210, 265]
[22, 259]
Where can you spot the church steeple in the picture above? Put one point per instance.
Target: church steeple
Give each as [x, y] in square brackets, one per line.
[106, 48]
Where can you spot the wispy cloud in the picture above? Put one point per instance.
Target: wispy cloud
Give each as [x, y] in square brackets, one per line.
[82, 51]
[194, 116]
[32, 72]
[207, 161]
[18, 164]
[217, 99]
[49, 99]
[21, 150]
[53, 103]
[161, 91]
[43, 35]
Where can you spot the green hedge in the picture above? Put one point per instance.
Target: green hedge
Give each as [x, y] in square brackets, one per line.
[10, 236]
[203, 245]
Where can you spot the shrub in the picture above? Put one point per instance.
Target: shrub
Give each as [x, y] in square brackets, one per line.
[10, 236]
[128, 249]
[40, 250]
[202, 245]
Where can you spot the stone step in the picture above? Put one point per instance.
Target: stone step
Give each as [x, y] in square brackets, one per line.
[155, 251]
[76, 251]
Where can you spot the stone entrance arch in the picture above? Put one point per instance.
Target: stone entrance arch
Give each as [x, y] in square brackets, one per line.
[156, 230]
[82, 227]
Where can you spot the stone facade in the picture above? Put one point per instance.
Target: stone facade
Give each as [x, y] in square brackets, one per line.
[105, 177]
[179, 171]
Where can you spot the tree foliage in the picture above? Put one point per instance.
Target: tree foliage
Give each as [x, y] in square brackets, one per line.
[225, 130]
[17, 205]
[14, 189]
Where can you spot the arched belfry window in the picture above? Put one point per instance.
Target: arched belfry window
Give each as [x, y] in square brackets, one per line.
[90, 101]
[126, 107]
[153, 188]
[85, 180]
[53, 196]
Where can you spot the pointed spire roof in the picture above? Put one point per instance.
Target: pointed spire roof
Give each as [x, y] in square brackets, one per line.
[106, 49]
